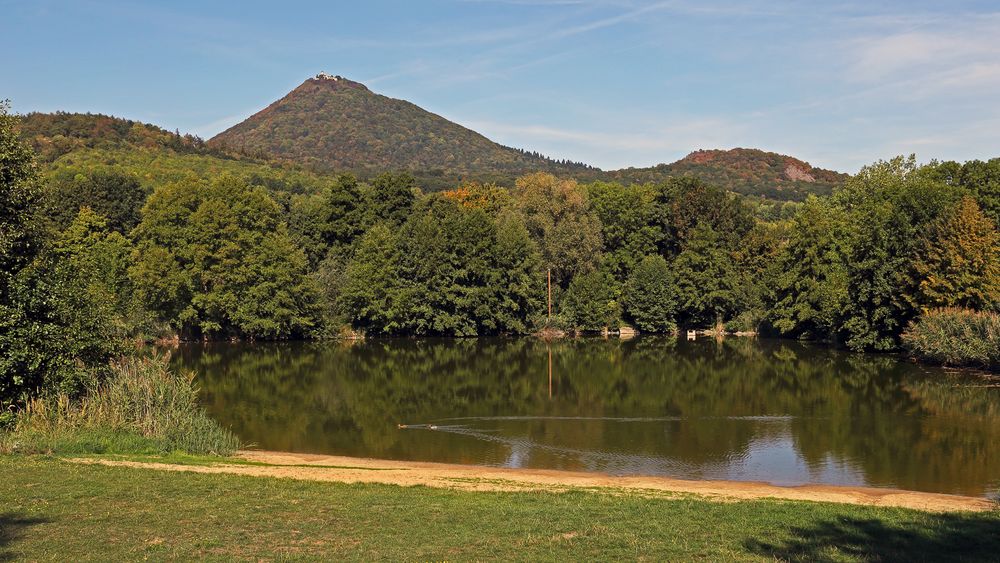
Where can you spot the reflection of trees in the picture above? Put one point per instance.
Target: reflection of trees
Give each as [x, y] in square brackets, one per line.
[898, 423]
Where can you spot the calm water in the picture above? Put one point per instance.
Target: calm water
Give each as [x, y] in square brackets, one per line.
[738, 409]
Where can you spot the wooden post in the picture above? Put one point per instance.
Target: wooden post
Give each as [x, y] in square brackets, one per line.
[549, 321]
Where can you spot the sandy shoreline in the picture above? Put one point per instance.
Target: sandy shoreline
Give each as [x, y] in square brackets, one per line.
[311, 467]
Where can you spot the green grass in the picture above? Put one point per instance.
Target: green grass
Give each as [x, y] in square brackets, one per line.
[52, 509]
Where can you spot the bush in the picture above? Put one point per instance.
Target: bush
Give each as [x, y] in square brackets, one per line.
[958, 337]
[143, 407]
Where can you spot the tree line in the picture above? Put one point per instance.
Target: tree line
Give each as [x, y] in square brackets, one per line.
[93, 257]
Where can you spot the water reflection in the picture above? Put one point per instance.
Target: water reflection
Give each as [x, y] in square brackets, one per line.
[733, 409]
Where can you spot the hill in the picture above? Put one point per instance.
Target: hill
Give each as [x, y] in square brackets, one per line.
[750, 172]
[334, 123]
[67, 143]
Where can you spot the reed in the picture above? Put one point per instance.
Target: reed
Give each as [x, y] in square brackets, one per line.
[956, 337]
[143, 406]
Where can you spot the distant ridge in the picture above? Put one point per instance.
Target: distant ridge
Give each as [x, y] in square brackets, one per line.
[745, 171]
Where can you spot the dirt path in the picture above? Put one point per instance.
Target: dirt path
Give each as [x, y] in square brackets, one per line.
[476, 478]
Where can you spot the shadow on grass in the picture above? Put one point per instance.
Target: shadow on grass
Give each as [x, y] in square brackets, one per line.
[945, 537]
[12, 527]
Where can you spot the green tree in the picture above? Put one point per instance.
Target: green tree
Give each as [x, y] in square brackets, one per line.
[589, 303]
[648, 296]
[216, 260]
[390, 198]
[330, 220]
[811, 280]
[90, 246]
[681, 204]
[371, 283]
[888, 205]
[627, 222]
[114, 194]
[958, 262]
[983, 180]
[557, 214]
[54, 330]
[705, 279]
[756, 259]
[513, 282]
[19, 195]
[466, 273]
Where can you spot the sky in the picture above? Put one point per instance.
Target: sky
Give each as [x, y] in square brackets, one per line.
[613, 83]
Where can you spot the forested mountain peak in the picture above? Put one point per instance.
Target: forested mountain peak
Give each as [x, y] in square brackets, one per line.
[334, 123]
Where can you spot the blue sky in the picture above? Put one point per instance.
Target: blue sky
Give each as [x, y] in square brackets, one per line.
[610, 82]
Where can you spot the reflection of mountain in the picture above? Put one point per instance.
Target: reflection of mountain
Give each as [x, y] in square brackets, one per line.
[716, 408]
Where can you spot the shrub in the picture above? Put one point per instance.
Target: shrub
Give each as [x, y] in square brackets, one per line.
[958, 337]
[143, 406]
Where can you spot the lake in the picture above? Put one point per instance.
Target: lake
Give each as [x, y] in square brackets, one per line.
[739, 409]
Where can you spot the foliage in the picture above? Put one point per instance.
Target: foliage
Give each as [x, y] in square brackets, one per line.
[649, 296]
[860, 266]
[329, 221]
[143, 404]
[681, 204]
[56, 329]
[889, 204]
[390, 199]
[372, 284]
[489, 197]
[628, 227]
[453, 270]
[216, 259]
[19, 194]
[116, 195]
[744, 171]
[981, 179]
[283, 255]
[958, 260]
[589, 303]
[705, 278]
[558, 217]
[52, 135]
[957, 337]
[811, 282]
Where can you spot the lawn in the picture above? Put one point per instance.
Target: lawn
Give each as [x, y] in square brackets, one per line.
[51, 509]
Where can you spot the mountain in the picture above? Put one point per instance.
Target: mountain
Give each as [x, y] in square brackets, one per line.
[334, 123]
[331, 123]
[745, 171]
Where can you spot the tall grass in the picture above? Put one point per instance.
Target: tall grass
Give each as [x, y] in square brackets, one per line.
[956, 337]
[144, 406]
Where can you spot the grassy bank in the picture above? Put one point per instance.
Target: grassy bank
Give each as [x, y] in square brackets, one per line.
[53, 509]
[956, 337]
[143, 407]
